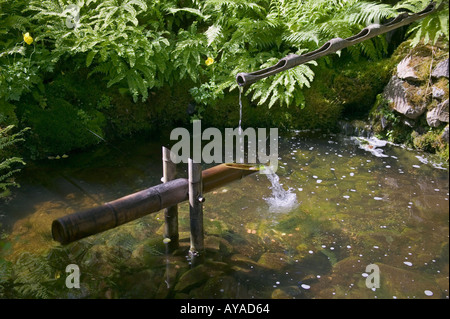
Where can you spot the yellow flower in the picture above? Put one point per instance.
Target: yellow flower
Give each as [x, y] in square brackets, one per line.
[209, 61]
[27, 38]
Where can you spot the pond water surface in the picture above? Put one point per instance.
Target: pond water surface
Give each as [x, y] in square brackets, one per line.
[336, 205]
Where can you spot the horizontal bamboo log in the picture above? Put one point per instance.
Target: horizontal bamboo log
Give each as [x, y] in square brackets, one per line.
[82, 224]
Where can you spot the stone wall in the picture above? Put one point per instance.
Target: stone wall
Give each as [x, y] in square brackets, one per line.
[413, 108]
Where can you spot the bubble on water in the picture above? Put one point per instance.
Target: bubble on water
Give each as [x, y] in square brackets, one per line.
[311, 252]
[346, 196]
[408, 263]
[365, 274]
[319, 181]
[428, 292]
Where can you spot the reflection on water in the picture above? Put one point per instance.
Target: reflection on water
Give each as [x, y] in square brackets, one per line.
[348, 208]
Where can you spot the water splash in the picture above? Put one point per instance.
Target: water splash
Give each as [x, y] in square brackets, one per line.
[281, 201]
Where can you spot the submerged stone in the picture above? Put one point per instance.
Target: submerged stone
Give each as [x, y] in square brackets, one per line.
[290, 292]
[274, 261]
[196, 277]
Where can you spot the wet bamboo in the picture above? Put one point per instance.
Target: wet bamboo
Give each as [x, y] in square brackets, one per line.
[170, 213]
[196, 208]
[82, 224]
[334, 45]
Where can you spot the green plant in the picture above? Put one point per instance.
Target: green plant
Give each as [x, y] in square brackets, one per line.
[9, 165]
[431, 28]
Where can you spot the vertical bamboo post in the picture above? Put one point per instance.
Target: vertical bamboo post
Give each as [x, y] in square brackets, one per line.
[196, 208]
[170, 213]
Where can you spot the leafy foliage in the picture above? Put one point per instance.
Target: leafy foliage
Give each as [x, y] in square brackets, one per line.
[139, 47]
[433, 27]
[8, 166]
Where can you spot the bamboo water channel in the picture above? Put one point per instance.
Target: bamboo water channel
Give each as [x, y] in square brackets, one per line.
[164, 196]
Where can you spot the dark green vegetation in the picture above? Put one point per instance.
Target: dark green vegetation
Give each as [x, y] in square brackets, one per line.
[78, 73]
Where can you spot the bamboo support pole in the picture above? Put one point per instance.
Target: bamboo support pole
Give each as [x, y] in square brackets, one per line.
[196, 208]
[170, 213]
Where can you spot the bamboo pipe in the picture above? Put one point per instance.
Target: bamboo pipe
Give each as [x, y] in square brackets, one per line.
[196, 208]
[332, 46]
[170, 213]
[82, 224]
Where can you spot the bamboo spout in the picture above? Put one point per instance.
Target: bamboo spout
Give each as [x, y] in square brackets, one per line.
[79, 225]
[332, 46]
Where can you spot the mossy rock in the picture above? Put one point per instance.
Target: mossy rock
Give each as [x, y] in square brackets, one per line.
[273, 261]
[195, 277]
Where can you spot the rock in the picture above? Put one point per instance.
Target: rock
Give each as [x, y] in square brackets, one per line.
[195, 277]
[437, 93]
[438, 114]
[433, 118]
[443, 111]
[396, 93]
[217, 287]
[441, 70]
[290, 292]
[405, 71]
[241, 259]
[274, 261]
[143, 284]
[445, 134]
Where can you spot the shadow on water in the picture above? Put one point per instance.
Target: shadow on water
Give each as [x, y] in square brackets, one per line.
[335, 205]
